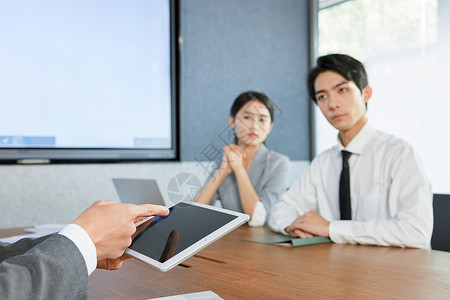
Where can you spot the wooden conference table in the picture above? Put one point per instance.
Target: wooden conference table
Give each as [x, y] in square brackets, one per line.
[236, 269]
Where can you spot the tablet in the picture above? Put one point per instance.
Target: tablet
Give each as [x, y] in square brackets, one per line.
[164, 242]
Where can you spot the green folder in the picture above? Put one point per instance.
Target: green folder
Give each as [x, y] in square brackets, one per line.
[294, 242]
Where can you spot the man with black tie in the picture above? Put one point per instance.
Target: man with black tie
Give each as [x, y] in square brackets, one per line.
[368, 189]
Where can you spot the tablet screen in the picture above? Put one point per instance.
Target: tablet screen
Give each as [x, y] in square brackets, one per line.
[186, 224]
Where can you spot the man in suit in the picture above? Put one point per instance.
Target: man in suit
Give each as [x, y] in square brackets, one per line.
[58, 266]
[368, 189]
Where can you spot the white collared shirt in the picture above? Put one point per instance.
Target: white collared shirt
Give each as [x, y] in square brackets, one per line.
[391, 198]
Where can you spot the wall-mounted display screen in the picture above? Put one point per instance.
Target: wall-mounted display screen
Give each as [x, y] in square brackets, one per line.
[87, 80]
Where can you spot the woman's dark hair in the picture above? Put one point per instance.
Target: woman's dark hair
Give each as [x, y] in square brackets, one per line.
[346, 66]
[246, 97]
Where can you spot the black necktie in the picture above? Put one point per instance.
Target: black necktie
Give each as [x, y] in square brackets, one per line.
[344, 188]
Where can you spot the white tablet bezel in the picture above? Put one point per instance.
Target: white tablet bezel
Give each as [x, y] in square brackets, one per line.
[197, 246]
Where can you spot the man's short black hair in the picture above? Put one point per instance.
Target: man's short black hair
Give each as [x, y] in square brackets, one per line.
[345, 65]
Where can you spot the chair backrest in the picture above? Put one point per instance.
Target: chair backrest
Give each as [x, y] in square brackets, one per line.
[440, 239]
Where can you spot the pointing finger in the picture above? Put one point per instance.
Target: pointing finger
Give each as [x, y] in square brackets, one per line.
[146, 210]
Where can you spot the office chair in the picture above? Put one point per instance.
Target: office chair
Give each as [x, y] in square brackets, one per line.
[440, 240]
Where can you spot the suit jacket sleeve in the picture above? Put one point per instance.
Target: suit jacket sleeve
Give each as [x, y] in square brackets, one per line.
[19, 247]
[45, 268]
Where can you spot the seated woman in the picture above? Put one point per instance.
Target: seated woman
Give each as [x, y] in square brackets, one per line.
[251, 178]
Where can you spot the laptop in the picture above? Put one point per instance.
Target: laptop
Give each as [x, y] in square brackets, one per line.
[138, 191]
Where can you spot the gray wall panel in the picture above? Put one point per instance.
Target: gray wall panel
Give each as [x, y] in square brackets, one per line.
[232, 46]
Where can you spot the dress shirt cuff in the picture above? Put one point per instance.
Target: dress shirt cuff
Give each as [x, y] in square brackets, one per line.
[340, 231]
[280, 225]
[283, 225]
[259, 215]
[84, 243]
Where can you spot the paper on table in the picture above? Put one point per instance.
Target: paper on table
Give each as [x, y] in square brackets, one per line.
[208, 295]
[270, 239]
[294, 242]
[309, 241]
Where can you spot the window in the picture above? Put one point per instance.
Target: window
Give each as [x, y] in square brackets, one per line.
[404, 45]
